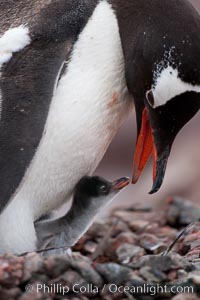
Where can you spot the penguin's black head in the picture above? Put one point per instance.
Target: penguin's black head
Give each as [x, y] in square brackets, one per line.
[97, 191]
[170, 103]
[166, 122]
[161, 46]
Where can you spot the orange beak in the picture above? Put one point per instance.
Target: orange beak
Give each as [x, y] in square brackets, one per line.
[144, 149]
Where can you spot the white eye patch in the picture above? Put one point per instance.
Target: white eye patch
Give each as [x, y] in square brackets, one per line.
[168, 85]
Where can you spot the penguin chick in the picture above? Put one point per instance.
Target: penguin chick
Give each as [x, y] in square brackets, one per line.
[91, 195]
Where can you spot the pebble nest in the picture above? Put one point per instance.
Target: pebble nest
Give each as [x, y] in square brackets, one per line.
[133, 254]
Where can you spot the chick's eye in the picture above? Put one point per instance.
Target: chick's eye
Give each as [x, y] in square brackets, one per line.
[103, 189]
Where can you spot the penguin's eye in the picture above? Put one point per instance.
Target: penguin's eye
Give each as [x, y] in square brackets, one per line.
[103, 189]
[150, 98]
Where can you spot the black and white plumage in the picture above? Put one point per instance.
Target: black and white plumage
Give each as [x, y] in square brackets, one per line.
[161, 45]
[63, 97]
[65, 85]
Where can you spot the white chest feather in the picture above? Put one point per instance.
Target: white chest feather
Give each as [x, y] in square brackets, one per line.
[88, 107]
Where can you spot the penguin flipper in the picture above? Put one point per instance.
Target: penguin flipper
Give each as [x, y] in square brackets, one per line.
[27, 82]
[28, 78]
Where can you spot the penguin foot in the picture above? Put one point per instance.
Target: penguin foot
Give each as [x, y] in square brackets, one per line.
[52, 239]
[56, 251]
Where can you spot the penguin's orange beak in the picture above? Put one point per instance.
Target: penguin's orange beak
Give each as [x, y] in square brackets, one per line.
[157, 130]
[147, 146]
[145, 149]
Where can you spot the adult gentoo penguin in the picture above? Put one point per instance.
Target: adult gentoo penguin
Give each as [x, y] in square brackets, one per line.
[65, 69]
[63, 98]
[91, 195]
[161, 45]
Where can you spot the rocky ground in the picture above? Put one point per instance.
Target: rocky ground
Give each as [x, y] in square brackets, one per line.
[137, 253]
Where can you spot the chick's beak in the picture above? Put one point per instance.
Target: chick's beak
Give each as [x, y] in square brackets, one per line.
[145, 148]
[121, 183]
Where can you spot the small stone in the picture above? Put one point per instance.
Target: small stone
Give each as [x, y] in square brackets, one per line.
[127, 253]
[119, 227]
[98, 230]
[193, 254]
[197, 264]
[90, 247]
[79, 246]
[192, 239]
[135, 280]
[114, 273]
[54, 266]
[166, 232]
[181, 273]
[84, 267]
[114, 244]
[194, 278]
[147, 274]
[172, 275]
[127, 237]
[150, 242]
[138, 225]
